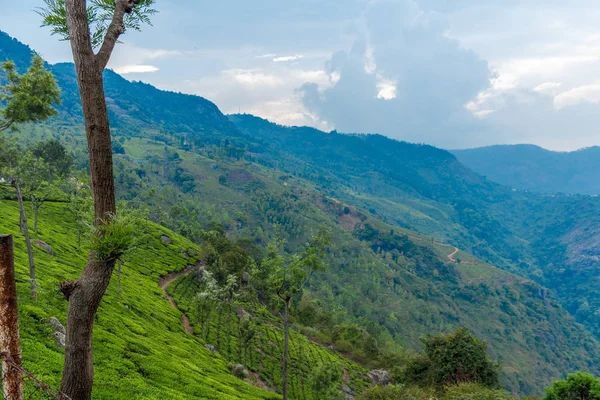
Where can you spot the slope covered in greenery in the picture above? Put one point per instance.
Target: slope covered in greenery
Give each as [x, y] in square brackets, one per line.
[141, 349]
[529, 167]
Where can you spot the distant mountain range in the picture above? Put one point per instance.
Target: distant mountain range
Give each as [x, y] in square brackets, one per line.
[530, 167]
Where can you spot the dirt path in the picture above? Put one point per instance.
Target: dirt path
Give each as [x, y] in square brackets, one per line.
[164, 283]
[451, 255]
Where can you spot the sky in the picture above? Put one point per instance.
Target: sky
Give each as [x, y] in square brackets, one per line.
[451, 73]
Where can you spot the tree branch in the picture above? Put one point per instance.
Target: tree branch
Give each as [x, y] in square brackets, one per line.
[4, 125]
[115, 30]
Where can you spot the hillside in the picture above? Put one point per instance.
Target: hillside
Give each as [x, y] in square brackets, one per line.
[141, 349]
[193, 170]
[529, 167]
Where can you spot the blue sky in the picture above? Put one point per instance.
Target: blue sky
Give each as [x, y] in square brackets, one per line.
[453, 73]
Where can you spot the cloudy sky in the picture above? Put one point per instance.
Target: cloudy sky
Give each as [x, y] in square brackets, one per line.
[453, 73]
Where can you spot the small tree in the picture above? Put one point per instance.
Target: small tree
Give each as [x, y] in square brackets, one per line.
[22, 172]
[579, 386]
[451, 360]
[287, 277]
[30, 97]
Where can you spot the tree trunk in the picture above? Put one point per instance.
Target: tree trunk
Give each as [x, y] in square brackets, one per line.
[36, 213]
[28, 243]
[286, 333]
[85, 294]
[10, 341]
[119, 278]
[219, 329]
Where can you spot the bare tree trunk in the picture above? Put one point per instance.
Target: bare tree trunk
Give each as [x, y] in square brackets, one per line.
[36, 213]
[85, 294]
[286, 350]
[119, 278]
[10, 341]
[28, 243]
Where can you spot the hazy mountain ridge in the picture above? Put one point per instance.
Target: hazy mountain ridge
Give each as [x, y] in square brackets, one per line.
[530, 167]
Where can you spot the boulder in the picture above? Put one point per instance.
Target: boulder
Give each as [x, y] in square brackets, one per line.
[238, 370]
[379, 377]
[166, 239]
[45, 246]
[56, 325]
[210, 348]
[60, 339]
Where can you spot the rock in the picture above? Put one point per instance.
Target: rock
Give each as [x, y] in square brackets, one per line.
[60, 339]
[210, 348]
[330, 347]
[192, 252]
[348, 393]
[245, 278]
[379, 377]
[238, 370]
[44, 246]
[243, 314]
[166, 239]
[58, 327]
[183, 253]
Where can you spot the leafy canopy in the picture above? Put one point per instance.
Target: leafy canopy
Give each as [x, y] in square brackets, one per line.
[579, 386]
[451, 360]
[30, 97]
[100, 14]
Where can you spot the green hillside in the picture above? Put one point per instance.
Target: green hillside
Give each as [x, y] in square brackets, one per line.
[141, 349]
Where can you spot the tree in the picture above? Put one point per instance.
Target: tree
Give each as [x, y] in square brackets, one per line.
[579, 386]
[55, 155]
[287, 277]
[30, 97]
[451, 360]
[93, 30]
[25, 171]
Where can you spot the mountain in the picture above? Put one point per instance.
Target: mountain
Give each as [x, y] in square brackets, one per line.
[529, 167]
[396, 211]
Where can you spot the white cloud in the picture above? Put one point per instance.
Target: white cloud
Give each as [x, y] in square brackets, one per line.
[253, 78]
[589, 93]
[135, 69]
[386, 89]
[547, 87]
[288, 58]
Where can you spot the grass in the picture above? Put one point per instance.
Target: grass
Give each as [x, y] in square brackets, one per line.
[140, 348]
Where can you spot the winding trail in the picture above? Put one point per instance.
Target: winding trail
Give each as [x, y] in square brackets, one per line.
[164, 283]
[451, 255]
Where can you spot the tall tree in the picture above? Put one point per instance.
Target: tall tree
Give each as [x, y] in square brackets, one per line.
[93, 29]
[28, 97]
[287, 277]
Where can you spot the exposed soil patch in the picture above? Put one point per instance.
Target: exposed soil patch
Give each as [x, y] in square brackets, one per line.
[164, 283]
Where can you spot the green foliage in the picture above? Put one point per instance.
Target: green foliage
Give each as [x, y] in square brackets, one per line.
[453, 359]
[475, 391]
[326, 382]
[113, 238]
[395, 393]
[99, 15]
[55, 155]
[579, 386]
[28, 97]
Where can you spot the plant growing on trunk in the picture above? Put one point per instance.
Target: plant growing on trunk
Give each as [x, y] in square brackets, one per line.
[287, 277]
[93, 29]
